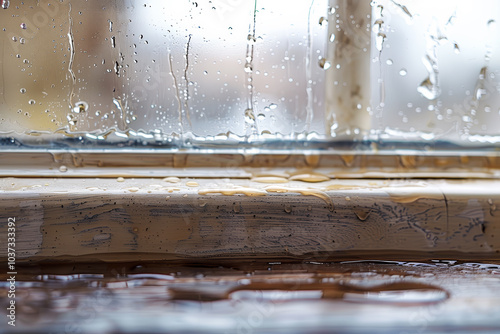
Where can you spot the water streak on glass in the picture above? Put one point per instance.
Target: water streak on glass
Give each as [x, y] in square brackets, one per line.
[250, 71]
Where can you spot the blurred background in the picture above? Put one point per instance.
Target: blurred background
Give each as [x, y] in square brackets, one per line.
[402, 70]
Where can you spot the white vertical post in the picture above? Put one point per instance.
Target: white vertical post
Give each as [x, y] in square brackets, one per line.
[348, 78]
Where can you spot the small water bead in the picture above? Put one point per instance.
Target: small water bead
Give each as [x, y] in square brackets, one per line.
[22, 90]
[23, 25]
[80, 107]
[403, 72]
[31, 101]
[324, 64]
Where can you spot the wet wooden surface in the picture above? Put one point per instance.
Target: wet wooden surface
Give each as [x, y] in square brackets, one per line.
[253, 255]
[267, 218]
[347, 164]
[435, 296]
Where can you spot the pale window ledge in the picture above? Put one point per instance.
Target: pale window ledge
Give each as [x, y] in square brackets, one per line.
[214, 219]
[247, 163]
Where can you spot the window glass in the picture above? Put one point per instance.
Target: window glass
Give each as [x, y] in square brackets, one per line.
[234, 71]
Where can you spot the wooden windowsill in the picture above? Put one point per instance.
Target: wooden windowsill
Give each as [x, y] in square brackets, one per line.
[266, 217]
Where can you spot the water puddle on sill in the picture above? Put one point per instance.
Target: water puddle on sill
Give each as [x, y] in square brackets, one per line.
[209, 290]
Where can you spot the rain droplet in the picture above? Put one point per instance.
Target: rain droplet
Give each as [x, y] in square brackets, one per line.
[389, 62]
[403, 72]
[273, 106]
[5, 4]
[80, 106]
[63, 169]
[324, 64]
[249, 116]
[31, 101]
[22, 90]
[428, 89]
[23, 25]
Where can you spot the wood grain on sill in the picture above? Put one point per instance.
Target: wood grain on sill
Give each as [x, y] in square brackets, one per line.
[86, 219]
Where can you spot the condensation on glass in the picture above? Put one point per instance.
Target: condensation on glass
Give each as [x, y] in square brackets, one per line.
[251, 70]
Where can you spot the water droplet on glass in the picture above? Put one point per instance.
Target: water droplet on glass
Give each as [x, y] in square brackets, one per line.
[322, 21]
[80, 106]
[22, 41]
[332, 38]
[63, 169]
[31, 101]
[324, 64]
[23, 25]
[261, 117]
[389, 62]
[5, 4]
[22, 90]
[14, 38]
[402, 72]
[249, 116]
[428, 89]
[251, 39]
[273, 106]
